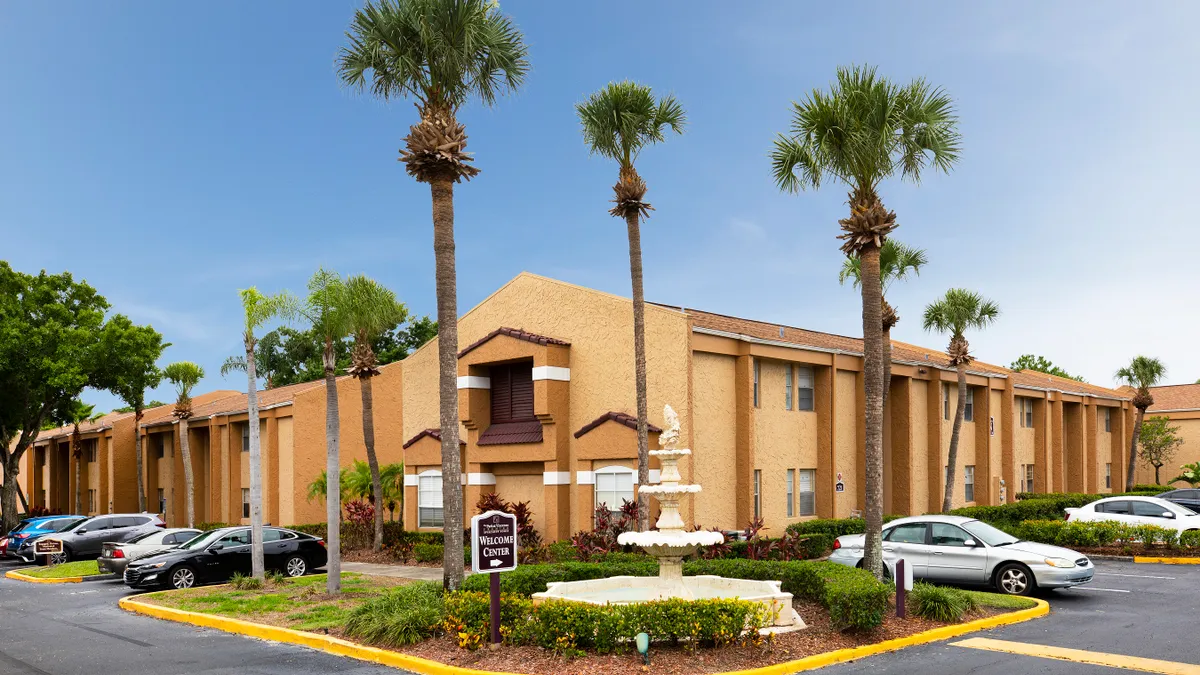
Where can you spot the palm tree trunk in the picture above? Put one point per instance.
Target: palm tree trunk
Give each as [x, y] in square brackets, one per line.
[185, 449]
[76, 455]
[257, 568]
[639, 368]
[141, 463]
[887, 367]
[952, 458]
[1131, 469]
[368, 422]
[872, 298]
[442, 191]
[333, 487]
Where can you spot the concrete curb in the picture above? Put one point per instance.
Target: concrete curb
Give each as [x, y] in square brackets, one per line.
[386, 657]
[15, 574]
[1166, 561]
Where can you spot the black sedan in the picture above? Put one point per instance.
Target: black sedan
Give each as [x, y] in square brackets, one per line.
[217, 555]
[1188, 498]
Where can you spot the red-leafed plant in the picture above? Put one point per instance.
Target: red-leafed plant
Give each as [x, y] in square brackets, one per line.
[758, 547]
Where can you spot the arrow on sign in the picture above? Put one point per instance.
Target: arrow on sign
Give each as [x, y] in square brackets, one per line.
[495, 563]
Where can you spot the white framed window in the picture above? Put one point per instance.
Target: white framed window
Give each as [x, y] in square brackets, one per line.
[1025, 412]
[969, 408]
[945, 400]
[1108, 419]
[162, 502]
[245, 502]
[91, 501]
[614, 486]
[969, 482]
[1028, 478]
[787, 396]
[805, 383]
[429, 499]
[91, 452]
[808, 492]
[757, 493]
[757, 374]
[246, 437]
[791, 493]
[1108, 475]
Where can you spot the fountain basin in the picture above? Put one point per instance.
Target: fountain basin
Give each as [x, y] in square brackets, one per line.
[628, 590]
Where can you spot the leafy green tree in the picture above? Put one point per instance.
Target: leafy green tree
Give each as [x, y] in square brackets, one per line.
[618, 122]
[864, 130]
[78, 412]
[269, 359]
[258, 309]
[370, 308]
[955, 313]
[128, 408]
[1042, 365]
[185, 375]
[442, 54]
[896, 262]
[1142, 373]
[1160, 441]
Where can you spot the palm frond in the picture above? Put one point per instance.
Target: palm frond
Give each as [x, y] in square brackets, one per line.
[623, 118]
[896, 262]
[1142, 372]
[233, 364]
[185, 375]
[959, 310]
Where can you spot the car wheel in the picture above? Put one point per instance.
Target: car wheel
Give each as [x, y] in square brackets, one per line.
[60, 558]
[182, 577]
[1014, 579]
[296, 566]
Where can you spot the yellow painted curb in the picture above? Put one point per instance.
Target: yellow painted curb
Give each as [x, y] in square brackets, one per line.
[416, 664]
[1167, 561]
[14, 574]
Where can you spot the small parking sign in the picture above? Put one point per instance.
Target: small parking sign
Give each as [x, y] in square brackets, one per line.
[494, 542]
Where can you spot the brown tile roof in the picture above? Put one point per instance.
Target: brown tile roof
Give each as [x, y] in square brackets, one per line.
[103, 422]
[232, 402]
[618, 417]
[1175, 397]
[435, 434]
[513, 333]
[509, 433]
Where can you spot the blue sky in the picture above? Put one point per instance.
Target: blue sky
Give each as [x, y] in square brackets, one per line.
[172, 153]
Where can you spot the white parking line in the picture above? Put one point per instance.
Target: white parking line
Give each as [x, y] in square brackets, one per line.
[1107, 590]
[1135, 576]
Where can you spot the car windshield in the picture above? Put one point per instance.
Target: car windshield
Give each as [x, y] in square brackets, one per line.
[61, 525]
[988, 534]
[201, 540]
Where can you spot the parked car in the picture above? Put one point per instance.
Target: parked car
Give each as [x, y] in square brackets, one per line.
[217, 555]
[1138, 511]
[1187, 497]
[18, 544]
[966, 551]
[83, 541]
[114, 556]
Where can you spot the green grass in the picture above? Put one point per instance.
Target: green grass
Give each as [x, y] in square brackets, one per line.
[82, 568]
[985, 599]
[320, 617]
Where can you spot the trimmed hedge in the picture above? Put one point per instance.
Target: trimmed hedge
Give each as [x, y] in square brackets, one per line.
[394, 533]
[834, 527]
[1079, 534]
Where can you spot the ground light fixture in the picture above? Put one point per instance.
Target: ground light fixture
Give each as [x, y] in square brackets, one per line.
[642, 640]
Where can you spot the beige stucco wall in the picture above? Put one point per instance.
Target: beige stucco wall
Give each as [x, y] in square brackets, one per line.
[1103, 449]
[846, 448]
[521, 488]
[783, 439]
[1023, 444]
[1189, 431]
[920, 443]
[995, 445]
[287, 474]
[715, 415]
[966, 444]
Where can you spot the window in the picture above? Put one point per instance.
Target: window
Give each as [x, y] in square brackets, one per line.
[969, 409]
[757, 372]
[969, 482]
[757, 493]
[245, 502]
[945, 534]
[91, 453]
[91, 501]
[1025, 412]
[512, 392]
[239, 538]
[159, 451]
[162, 499]
[912, 533]
[791, 493]
[1108, 475]
[945, 400]
[1108, 419]
[429, 499]
[246, 438]
[614, 487]
[1149, 510]
[270, 534]
[808, 492]
[129, 521]
[787, 396]
[1026, 478]
[804, 388]
[1121, 507]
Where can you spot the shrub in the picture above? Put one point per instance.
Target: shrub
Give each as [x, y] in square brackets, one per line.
[242, 582]
[205, 527]
[468, 617]
[561, 551]
[834, 527]
[1080, 534]
[428, 553]
[940, 603]
[402, 616]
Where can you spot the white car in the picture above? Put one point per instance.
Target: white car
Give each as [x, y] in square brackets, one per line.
[1138, 511]
[115, 556]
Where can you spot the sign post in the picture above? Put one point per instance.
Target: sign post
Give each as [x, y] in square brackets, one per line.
[494, 550]
[47, 547]
[904, 583]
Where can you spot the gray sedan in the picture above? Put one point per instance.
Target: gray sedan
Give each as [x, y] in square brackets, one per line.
[962, 550]
[115, 556]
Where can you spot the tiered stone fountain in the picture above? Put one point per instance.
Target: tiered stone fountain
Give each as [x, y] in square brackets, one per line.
[670, 543]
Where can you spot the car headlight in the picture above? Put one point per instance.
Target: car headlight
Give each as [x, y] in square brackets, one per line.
[1060, 562]
[151, 566]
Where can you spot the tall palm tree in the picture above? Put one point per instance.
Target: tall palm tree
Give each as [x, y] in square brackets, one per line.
[185, 375]
[896, 262]
[258, 310]
[863, 130]
[325, 308]
[78, 412]
[618, 122]
[1142, 373]
[267, 360]
[955, 313]
[442, 53]
[371, 308]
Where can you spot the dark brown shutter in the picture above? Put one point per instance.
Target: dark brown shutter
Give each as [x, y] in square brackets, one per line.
[522, 391]
[501, 394]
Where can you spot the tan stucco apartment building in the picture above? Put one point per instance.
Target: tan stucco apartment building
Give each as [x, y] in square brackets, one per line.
[1181, 404]
[773, 414]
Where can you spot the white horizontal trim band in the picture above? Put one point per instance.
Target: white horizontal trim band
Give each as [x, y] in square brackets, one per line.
[555, 373]
[556, 478]
[410, 480]
[474, 382]
[585, 478]
[481, 479]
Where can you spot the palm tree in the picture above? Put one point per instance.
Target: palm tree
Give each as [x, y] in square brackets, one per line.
[371, 309]
[1142, 373]
[258, 310]
[325, 308]
[185, 375]
[267, 360]
[618, 122]
[864, 130]
[318, 488]
[441, 53]
[391, 476]
[896, 261]
[955, 313]
[78, 412]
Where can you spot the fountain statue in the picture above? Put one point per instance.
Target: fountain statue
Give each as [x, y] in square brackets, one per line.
[670, 543]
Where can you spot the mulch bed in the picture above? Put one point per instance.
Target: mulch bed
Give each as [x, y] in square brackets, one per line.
[818, 638]
[1128, 551]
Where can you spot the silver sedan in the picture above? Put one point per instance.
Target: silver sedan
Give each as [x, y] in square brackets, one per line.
[962, 550]
[115, 556]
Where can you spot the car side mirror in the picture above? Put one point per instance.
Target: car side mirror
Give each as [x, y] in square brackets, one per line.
[970, 542]
[216, 547]
[1168, 514]
[82, 530]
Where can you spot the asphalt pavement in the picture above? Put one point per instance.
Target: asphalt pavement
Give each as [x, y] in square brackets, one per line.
[1130, 610]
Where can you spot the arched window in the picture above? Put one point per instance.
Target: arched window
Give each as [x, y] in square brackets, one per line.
[429, 499]
[614, 486]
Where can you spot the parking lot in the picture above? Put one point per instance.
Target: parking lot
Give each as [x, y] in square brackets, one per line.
[1131, 611]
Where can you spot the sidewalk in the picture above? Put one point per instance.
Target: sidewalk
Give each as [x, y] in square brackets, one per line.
[400, 571]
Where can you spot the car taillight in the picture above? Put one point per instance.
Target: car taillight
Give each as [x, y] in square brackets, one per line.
[1068, 517]
[837, 544]
[20, 536]
[321, 542]
[118, 553]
